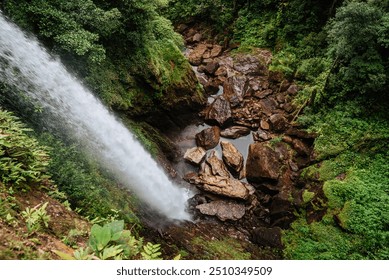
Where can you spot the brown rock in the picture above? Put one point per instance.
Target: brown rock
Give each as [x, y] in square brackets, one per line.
[262, 163]
[211, 68]
[219, 111]
[223, 186]
[249, 65]
[278, 122]
[195, 155]
[211, 87]
[208, 138]
[293, 89]
[235, 89]
[217, 166]
[197, 38]
[268, 105]
[216, 51]
[221, 72]
[263, 93]
[268, 237]
[196, 55]
[265, 125]
[232, 157]
[235, 132]
[224, 210]
[300, 148]
[261, 135]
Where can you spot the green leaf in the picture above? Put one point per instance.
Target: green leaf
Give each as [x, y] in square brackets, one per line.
[111, 252]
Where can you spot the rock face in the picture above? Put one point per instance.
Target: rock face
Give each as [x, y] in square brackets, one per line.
[232, 157]
[208, 138]
[262, 163]
[217, 166]
[195, 155]
[223, 210]
[219, 111]
[234, 132]
[223, 186]
[249, 65]
[235, 88]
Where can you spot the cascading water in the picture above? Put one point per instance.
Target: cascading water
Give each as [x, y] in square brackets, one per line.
[45, 81]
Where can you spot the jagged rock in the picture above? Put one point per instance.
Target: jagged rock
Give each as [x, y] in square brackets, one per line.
[261, 135]
[195, 155]
[224, 210]
[235, 132]
[232, 157]
[249, 65]
[278, 122]
[268, 105]
[300, 147]
[196, 55]
[211, 67]
[235, 89]
[288, 107]
[265, 125]
[268, 237]
[216, 51]
[300, 133]
[211, 87]
[263, 93]
[219, 111]
[223, 186]
[217, 166]
[221, 72]
[262, 163]
[197, 38]
[208, 138]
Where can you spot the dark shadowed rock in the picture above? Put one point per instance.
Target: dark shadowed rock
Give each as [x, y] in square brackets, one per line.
[217, 166]
[208, 138]
[300, 147]
[278, 122]
[232, 157]
[223, 186]
[211, 67]
[224, 210]
[235, 132]
[268, 236]
[262, 163]
[219, 111]
[195, 155]
[211, 87]
[196, 55]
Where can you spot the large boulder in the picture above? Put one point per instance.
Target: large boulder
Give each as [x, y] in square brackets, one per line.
[223, 186]
[216, 51]
[224, 210]
[211, 67]
[249, 65]
[217, 166]
[208, 138]
[262, 163]
[278, 121]
[232, 157]
[234, 132]
[235, 89]
[195, 155]
[219, 111]
[196, 55]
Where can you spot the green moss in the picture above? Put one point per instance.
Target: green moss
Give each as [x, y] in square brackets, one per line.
[308, 196]
[225, 249]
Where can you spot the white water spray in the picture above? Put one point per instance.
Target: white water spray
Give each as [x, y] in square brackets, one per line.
[27, 65]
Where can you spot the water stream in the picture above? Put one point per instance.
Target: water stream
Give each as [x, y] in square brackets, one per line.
[26, 65]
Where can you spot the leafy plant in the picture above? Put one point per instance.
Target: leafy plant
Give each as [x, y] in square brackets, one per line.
[36, 218]
[151, 251]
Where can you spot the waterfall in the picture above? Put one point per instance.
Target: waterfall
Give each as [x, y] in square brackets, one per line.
[26, 65]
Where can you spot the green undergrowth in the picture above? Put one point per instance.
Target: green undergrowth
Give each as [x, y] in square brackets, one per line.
[225, 249]
[352, 148]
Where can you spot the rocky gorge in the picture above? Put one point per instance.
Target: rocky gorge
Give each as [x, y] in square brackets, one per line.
[245, 153]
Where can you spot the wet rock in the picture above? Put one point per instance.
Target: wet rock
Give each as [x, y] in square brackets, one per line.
[219, 111]
[300, 147]
[235, 89]
[197, 38]
[232, 157]
[234, 132]
[261, 135]
[195, 155]
[208, 138]
[249, 65]
[224, 210]
[268, 237]
[196, 55]
[216, 51]
[265, 125]
[211, 67]
[217, 166]
[223, 186]
[278, 122]
[262, 163]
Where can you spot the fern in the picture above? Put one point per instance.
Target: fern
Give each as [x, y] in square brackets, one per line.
[151, 251]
